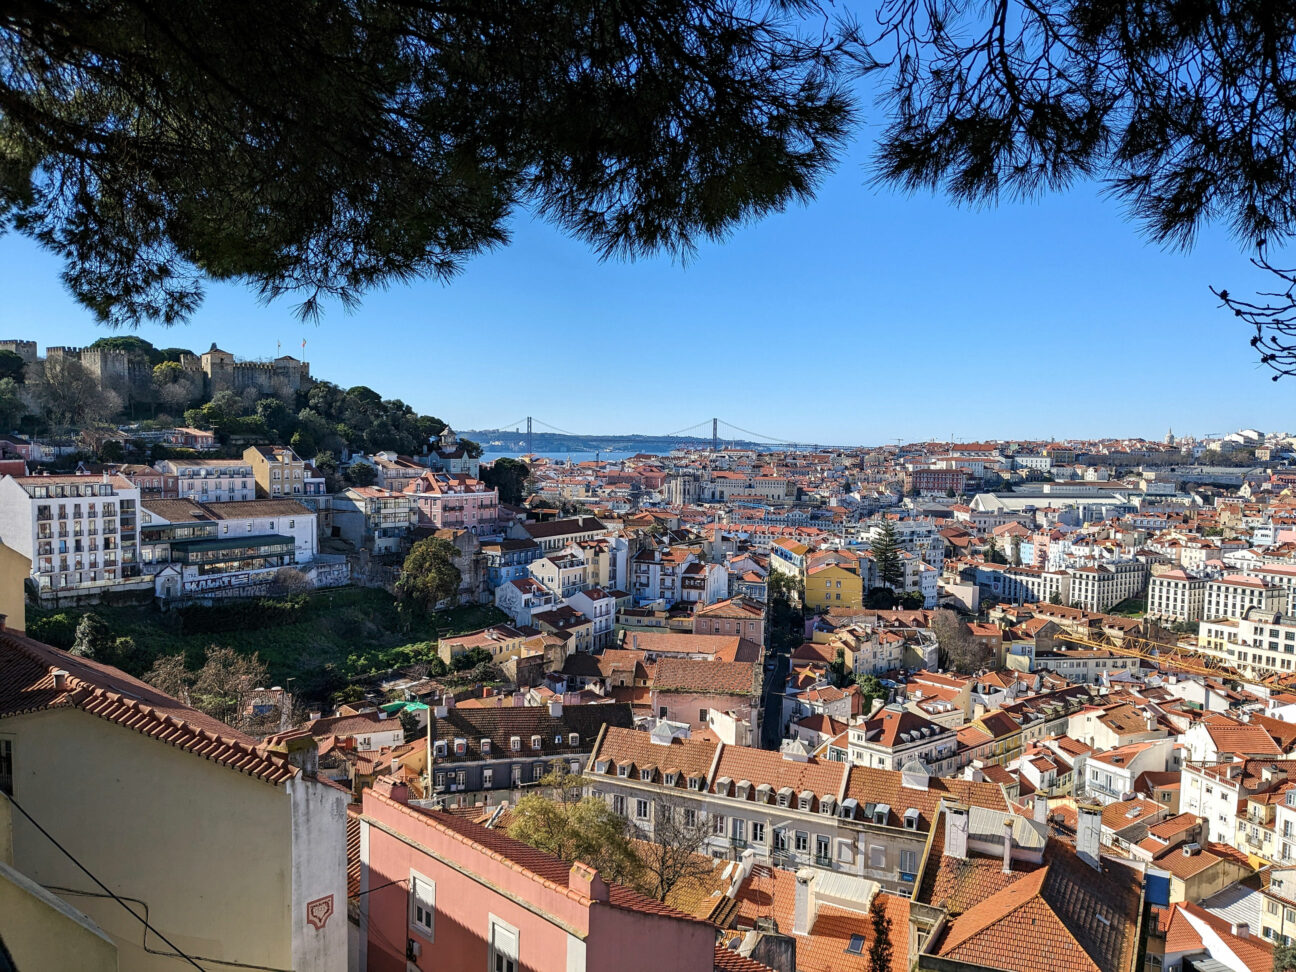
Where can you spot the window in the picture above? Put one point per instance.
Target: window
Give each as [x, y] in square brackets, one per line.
[6, 767]
[690, 817]
[573, 739]
[537, 771]
[503, 947]
[517, 774]
[422, 898]
[516, 743]
[702, 716]
[618, 804]
[488, 778]
[822, 848]
[856, 945]
[641, 809]
[536, 742]
[758, 832]
[908, 861]
[802, 841]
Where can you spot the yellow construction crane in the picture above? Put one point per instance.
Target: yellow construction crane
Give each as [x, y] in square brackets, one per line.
[1183, 658]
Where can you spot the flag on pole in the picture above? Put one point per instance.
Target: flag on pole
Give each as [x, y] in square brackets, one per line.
[303, 344]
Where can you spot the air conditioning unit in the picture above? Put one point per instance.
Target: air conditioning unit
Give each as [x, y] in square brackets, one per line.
[413, 949]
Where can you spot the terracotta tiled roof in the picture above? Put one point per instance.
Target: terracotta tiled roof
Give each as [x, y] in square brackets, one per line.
[27, 685]
[501, 725]
[757, 766]
[1181, 936]
[891, 728]
[869, 785]
[730, 961]
[724, 678]
[771, 893]
[1058, 915]
[688, 757]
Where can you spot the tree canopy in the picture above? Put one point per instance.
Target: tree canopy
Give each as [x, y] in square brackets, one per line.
[429, 575]
[328, 147]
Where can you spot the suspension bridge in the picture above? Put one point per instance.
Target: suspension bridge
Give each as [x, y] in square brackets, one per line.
[717, 424]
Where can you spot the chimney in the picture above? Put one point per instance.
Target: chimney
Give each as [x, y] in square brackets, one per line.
[1088, 833]
[392, 789]
[804, 914]
[877, 706]
[60, 680]
[1241, 929]
[1041, 808]
[972, 772]
[1007, 844]
[586, 880]
[556, 708]
[956, 830]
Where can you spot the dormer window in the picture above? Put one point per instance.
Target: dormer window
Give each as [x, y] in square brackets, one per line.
[558, 739]
[763, 793]
[516, 743]
[461, 747]
[695, 782]
[603, 765]
[485, 747]
[826, 804]
[804, 802]
[672, 779]
[646, 775]
[881, 813]
[439, 748]
[911, 818]
[573, 739]
[785, 797]
[624, 770]
[536, 742]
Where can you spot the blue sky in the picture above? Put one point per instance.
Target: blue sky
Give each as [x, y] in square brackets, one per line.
[863, 317]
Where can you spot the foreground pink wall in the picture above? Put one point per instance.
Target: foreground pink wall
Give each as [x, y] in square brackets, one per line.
[626, 941]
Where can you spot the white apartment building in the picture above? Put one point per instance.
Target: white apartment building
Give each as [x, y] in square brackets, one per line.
[1232, 595]
[600, 607]
[79, 532]
[1259, 641]
[895, 736]
[211, 480]
[1279, 575]
[1099, 588]
[1176, 595]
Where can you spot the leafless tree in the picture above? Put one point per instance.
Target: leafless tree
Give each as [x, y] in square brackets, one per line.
[959, 650]
[674, 855]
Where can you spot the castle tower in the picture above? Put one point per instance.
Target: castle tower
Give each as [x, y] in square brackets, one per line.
[218, 366]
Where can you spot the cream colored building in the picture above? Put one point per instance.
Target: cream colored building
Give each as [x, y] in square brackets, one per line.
[233, 850]
[1258, 642]
[1175, 595]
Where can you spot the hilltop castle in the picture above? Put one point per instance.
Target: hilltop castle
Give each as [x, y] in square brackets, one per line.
[213, 371]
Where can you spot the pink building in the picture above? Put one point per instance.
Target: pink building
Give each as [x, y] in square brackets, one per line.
[736, 616]
[438, 891]
[695, 692]
[455, 501]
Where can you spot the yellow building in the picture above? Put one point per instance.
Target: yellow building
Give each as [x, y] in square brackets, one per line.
[277, 471]
[39, 929]
[232, 849]
[833, 585]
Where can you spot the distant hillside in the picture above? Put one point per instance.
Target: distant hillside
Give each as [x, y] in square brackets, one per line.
[502, 440]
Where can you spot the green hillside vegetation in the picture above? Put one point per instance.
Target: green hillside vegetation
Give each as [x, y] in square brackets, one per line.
[320, 423]
[323, 640]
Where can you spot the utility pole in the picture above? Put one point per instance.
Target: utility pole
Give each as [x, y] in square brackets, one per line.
[715, 435]
[529, 449]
